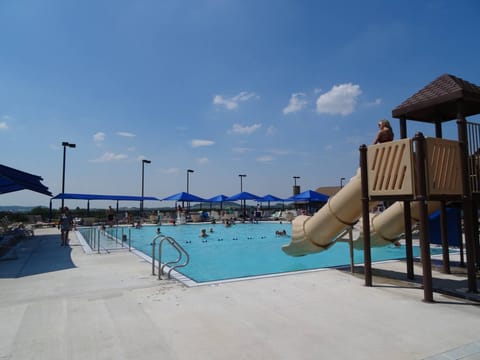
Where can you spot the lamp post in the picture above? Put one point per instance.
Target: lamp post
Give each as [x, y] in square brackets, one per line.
[188, 188]
[188, 173]
[296, 189]
[241, 190]
[341, 182]
[144, 161]
[65, 145]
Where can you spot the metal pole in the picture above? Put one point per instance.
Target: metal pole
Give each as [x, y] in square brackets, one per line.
[243, 202]
[64, 144]
[63, 174]
[141, 201]
[367, 254]
[144, 161]
[352, 254]
[408, 239]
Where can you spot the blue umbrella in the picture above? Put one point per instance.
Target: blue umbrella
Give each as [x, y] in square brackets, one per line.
[309, 195]
[218, 198]
[183, 196]
[270, 198]
[243, 196]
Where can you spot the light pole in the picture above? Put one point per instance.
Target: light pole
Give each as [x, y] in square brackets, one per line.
[241, 190]
[65, 145]
[144, 161]
[341, 182]
[188, 173]
[296, 189]
[188, 188]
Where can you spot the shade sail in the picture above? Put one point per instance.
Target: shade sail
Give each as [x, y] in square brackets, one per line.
[14, 180]
[183, 196]
[309, 195]
[218, 198]
[243, 196]
[103, 197]
[270, 198]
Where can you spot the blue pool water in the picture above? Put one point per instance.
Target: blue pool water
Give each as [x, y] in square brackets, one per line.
[245, 250]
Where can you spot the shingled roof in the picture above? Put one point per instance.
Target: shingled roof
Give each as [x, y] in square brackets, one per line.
[437, 101]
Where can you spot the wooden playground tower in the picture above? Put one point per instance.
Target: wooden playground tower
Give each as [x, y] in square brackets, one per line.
[418, 171]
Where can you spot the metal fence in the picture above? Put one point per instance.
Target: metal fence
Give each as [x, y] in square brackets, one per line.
[473, 133]
[101, 240]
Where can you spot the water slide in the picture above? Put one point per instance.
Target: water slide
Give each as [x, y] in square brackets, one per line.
[312, 234]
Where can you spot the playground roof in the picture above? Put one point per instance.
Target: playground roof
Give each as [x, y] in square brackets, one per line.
[438, 101]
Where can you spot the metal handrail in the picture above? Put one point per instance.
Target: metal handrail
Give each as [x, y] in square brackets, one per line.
[176, 263]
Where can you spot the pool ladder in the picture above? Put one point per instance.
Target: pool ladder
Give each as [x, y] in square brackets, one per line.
[172, 265]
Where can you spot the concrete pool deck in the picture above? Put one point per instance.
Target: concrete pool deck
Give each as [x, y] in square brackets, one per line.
[62, 303]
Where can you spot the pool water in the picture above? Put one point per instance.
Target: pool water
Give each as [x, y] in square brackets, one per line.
[246, 250]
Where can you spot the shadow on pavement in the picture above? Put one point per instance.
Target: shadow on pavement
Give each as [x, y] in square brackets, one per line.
[37, 255]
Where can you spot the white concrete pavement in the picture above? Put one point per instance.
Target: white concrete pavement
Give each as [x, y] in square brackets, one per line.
[61, 303]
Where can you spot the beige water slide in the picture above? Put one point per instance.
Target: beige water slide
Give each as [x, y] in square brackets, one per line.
[390, 170]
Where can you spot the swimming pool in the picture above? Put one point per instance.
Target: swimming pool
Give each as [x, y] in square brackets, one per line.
[247, 250]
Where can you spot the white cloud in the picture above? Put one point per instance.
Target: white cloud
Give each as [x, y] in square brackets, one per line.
[170, 170]
[99, 137]
[239, 129]
[265, 158]
[125, 134]
[232, 103]
[296, 103]
[280, 152]
[198, 143]
[203, 160]
[375, 102]
[3, 125]
[241, 150]
[341, 99]
[108, 156]
[271, 130]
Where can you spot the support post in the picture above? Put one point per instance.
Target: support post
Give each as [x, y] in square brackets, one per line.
[444, 237]
[421, 197]
[408, 239]
[367, 255]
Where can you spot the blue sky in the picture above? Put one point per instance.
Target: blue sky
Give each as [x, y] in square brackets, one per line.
[267, 88]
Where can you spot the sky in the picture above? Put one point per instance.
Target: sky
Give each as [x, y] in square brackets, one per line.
[270, 89]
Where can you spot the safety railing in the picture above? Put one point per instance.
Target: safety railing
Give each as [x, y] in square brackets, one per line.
[102, 240]
[473, 132]
[182, 259]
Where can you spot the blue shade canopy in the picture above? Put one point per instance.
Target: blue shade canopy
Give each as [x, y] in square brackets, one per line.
[14, 180]
[309, 195]
[103, 197]
[243, 196]
[218, 198]
[270, 198]
[183, 196]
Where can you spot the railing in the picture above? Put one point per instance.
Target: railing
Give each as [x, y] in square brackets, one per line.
[171, 265]
[473, 133]
[103, 240]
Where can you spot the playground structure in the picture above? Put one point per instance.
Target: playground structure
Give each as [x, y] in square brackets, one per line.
[420, 174]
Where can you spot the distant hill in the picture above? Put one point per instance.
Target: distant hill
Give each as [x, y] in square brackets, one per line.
[15, 208]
